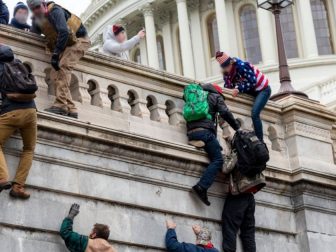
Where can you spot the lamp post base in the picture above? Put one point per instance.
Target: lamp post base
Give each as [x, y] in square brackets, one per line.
[280, 95]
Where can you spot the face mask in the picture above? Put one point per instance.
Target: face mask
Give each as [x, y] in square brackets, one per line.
[21, 18]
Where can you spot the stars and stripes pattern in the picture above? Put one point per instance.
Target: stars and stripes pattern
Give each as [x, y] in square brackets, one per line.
[262, 81]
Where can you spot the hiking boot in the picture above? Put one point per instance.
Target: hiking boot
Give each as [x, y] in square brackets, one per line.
[202, 194]
[197, 144]
[19, 192]
[5, 185]
[57, 111]
[73, 115]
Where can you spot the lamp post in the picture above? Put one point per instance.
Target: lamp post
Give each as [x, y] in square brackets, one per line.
[286, 88]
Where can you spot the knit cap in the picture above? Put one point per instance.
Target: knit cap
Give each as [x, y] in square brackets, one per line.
[117, 29]
[34, 3]
[223, 59]
[18, 6]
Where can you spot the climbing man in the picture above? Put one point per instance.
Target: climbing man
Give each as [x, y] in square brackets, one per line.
[67, 40]
[97, 241]
[203, 129]
[203, 240]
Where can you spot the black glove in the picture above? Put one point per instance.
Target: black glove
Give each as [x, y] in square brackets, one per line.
[74, 211]
[55, 61]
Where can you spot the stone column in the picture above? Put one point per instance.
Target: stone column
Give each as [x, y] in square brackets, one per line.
[185, 39]
[232, 29]
[167, 41]
[267, 35]
[143, 52]
[222, 22]
[198, 46]
[152, 51]
[307, 29]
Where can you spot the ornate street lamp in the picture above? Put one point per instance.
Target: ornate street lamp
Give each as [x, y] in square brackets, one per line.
[286, 88]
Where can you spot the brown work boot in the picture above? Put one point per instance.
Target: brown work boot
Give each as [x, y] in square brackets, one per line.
[5, 185]
[19, 192]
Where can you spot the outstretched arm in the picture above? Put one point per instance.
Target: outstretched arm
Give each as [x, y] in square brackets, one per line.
[114, 47]
[226, 114]
[172, 244]
[73, 240]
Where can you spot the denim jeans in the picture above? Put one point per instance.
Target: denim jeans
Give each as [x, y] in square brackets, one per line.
[259, 104]
[214, 151]
[238, 213]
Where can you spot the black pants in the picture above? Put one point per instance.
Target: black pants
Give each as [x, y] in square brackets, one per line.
[238, 213]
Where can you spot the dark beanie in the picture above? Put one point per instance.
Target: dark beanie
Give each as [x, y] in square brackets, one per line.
[117, 29]
[20, 5]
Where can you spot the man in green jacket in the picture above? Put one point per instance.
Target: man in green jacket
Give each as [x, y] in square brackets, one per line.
[97, 241]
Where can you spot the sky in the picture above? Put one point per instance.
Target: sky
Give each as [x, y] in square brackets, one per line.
[75, 6]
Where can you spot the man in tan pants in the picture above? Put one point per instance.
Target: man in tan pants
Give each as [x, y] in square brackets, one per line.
[21, 117]
[68, 41]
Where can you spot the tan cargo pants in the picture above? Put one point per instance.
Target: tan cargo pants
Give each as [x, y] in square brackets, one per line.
[62, 78]
[23, 120]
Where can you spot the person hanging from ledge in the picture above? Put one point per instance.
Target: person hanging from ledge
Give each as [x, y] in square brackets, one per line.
[21, 13]
[17, 113]
[116, 43]
[97, 241]
[203, 240]
[203, 104]
[245, 78]
[4, 13]
[67, 40]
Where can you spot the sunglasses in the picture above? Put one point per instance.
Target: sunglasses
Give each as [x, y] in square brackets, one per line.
[36, 8]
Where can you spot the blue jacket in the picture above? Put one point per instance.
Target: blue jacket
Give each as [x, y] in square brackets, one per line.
[173, 245]
[4, 13]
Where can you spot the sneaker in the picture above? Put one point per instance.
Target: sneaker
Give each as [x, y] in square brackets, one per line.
[5, 185]
[73, 115]
[19, 192]
[202, 194]
[57, 111]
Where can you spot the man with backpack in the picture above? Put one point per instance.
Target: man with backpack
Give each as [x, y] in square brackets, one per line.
[18, 113]
[203, 104]
[97, 241]
[68, 41]
[203, 240]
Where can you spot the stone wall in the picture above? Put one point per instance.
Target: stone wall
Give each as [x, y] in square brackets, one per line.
[127, 163]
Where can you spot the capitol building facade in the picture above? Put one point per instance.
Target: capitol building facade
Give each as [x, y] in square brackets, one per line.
[184, 35]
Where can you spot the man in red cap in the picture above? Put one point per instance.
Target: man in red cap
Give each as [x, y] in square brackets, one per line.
[245, 78]
[115, 42]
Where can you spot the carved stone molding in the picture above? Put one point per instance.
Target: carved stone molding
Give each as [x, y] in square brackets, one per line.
[147, 9]
[297, 128]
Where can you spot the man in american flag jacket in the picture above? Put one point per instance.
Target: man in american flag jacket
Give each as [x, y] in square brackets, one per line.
[245, 78]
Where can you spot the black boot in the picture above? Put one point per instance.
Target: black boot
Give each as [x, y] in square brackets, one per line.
[202, 194]
[73, 115]
[57, 111]
[5, 186]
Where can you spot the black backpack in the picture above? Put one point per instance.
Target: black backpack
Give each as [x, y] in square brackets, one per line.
[252, 153]
[17, 83]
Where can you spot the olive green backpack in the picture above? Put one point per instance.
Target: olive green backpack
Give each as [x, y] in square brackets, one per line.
[196, 103]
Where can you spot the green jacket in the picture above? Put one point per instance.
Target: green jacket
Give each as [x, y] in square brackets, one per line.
[74, 241]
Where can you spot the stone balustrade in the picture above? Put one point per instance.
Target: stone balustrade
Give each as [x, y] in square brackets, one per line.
[127, 162]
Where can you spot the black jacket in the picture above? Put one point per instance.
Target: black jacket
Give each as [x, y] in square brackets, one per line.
[7, 55]
[14, 23]
[58, 17]
[4, 13]
[217, 106]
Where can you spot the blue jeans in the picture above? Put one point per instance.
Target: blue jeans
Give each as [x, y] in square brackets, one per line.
[214, 151]
[259, 104]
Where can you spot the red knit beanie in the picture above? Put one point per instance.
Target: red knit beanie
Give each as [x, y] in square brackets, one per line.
[117, 29]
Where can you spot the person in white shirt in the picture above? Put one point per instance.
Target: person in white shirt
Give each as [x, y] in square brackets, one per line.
[115, 42]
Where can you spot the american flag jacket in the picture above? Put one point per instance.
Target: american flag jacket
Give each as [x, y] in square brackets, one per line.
[246, 78]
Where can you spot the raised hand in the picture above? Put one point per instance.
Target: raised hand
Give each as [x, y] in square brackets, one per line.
[74, 211]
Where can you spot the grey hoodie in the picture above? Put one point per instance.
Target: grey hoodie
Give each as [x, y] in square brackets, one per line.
[113, 47]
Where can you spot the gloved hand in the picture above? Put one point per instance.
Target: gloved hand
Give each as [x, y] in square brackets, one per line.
[55, 61]
[74, 211]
